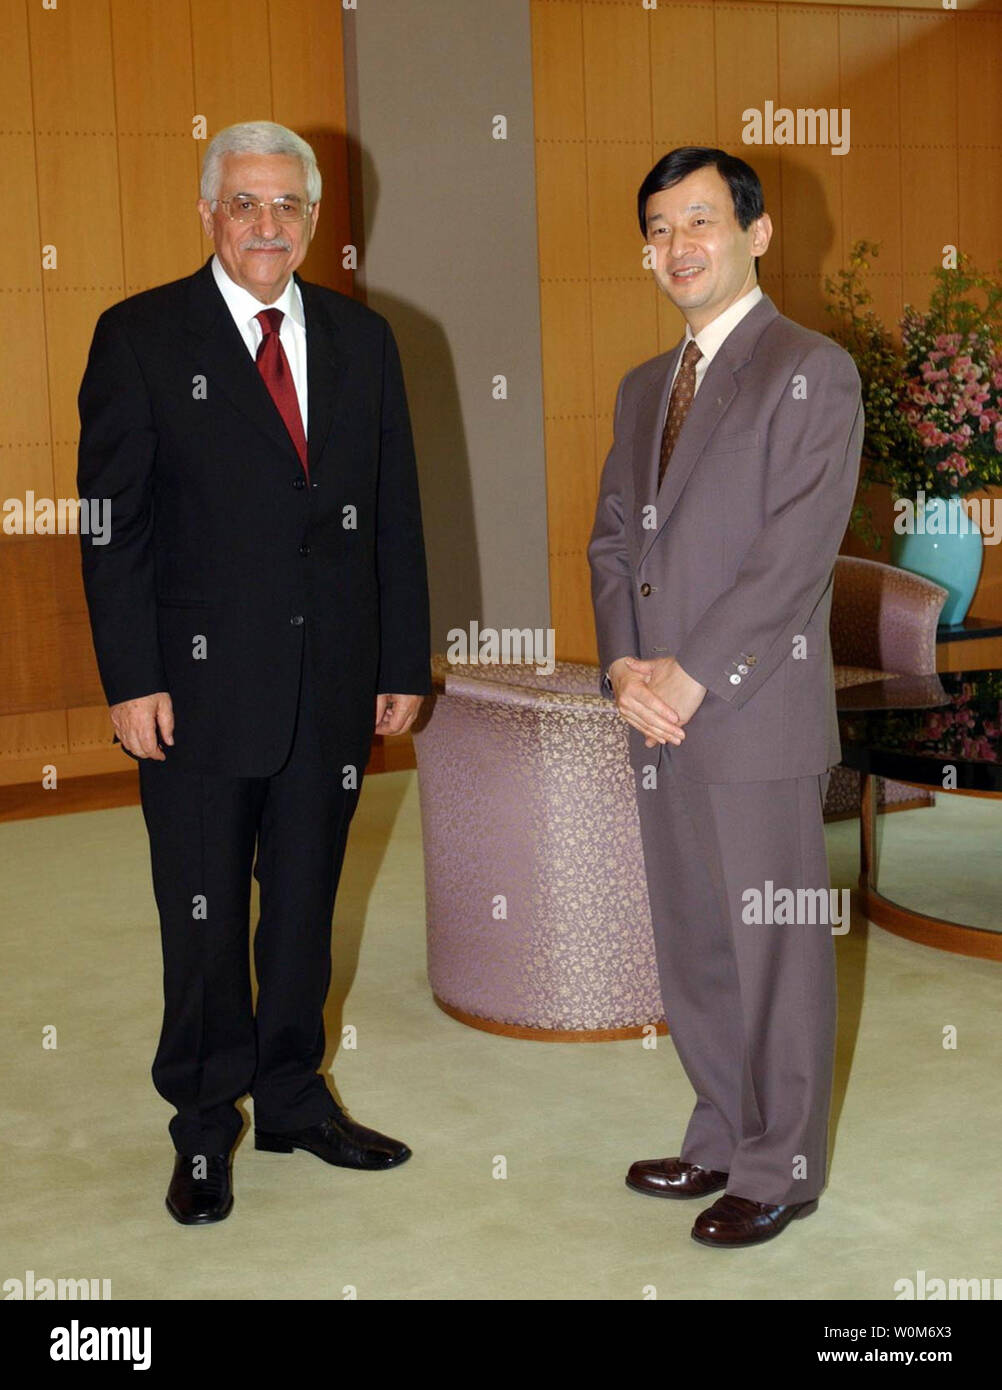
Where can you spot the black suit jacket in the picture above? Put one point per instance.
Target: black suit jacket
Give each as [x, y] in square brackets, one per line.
[225, 569]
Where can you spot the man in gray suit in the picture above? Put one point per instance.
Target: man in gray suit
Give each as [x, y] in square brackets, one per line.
[723, 502]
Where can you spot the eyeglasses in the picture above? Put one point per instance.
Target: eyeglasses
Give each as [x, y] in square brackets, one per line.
[241, 208]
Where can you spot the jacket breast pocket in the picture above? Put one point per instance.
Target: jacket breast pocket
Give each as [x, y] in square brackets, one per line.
[183, 603]
[741, 442]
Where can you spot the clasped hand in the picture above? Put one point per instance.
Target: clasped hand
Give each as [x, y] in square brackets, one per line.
[656, 697]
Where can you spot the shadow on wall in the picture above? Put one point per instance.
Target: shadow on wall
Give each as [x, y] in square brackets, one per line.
[801, 296]
[439, 435]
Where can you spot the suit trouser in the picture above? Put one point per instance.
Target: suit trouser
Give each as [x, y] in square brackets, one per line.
[751, 1006]
[203, 831]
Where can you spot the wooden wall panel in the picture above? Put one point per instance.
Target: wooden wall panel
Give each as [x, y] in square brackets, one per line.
[96, 111]
[72, 68]
[617, 85]
[20, 272]
[671, 325]
[24, 380]
[979, 134]
[161, 237]
[232, 61]
[616, 60]
[558, 102]
[567, 376]
[745, 60]
[78, 208]
[979, 214]
[627, 313]
[613, 237]
[683, 95]
[562, 201]
[573, 437]
[15, 89]
[33, 739]
[154, 88]
[308, 95]
[868, 39]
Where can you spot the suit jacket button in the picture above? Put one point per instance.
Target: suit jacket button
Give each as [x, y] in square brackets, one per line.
[645, 589]
[735, 680]
[304, 550]
[743, 670]
[299, 483]
[296, 620]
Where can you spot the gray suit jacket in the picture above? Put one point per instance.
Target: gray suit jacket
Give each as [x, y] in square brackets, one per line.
[729, 566]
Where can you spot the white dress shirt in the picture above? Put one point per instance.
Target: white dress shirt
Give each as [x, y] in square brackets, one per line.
[709, 339]
[292, 334]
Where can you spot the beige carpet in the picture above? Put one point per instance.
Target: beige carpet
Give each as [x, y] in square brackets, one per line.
[917, 1149]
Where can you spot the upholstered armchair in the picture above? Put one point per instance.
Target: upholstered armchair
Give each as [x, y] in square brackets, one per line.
[537, 915]
[883, 623]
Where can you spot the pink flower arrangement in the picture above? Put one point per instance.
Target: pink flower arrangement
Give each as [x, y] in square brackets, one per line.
[932, 387]
[950, 394]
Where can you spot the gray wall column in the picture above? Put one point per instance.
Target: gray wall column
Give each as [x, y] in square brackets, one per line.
[446, 227]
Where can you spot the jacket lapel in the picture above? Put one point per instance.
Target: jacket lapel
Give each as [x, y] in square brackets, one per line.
[217, 344]
[710, 403]
[326, 367]
[216, 340]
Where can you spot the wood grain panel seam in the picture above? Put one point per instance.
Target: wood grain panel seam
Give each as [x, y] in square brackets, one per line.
[872, 274]
[753, 6]
[122, 254]
[10, 754]
[956, 123]
[587, 140]
[897, 93]
[639, 279]
[39, 232]
[140, 134]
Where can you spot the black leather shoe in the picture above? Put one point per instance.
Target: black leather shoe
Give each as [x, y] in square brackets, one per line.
[201, 1189]
[339, 1140]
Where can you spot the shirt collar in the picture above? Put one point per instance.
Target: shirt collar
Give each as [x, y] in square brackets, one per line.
[244, 307]
[709, 339]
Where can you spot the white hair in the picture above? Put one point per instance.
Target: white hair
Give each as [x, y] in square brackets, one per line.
[257, 137]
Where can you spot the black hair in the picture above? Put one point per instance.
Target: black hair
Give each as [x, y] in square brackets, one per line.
[672, 168]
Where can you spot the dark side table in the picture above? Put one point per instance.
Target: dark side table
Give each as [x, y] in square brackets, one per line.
[940, 732]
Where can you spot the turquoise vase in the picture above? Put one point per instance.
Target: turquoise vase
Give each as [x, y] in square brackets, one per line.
[946, 546]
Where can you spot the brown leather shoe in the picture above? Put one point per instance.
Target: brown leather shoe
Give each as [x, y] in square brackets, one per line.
[670, 1177]
[735, 1221]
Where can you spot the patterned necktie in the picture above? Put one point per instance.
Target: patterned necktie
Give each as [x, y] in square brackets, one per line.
[678, 407]
[273, 365]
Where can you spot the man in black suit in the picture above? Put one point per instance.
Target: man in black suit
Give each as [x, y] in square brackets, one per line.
[261, 608]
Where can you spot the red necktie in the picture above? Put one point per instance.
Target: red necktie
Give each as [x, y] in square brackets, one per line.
[273, 365]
